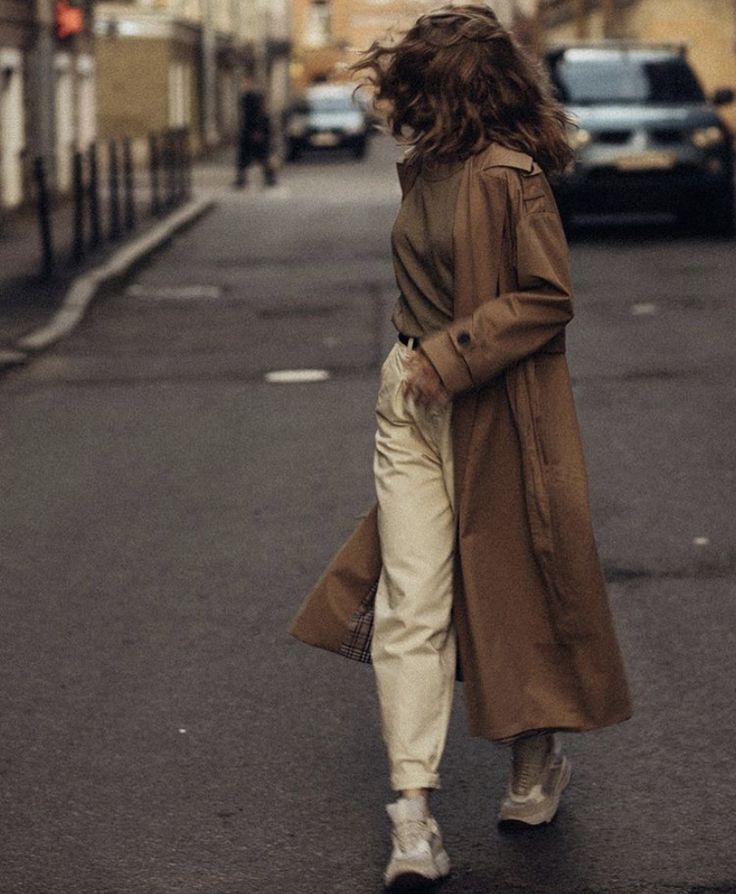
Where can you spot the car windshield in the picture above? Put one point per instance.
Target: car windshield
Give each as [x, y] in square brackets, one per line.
[331, 103]
[587, 81]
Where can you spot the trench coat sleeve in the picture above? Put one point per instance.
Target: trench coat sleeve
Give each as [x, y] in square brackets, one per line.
[506, 328]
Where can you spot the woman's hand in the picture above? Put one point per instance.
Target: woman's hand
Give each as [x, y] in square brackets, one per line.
[422, 383]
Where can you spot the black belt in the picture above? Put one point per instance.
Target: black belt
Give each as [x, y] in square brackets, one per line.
[409, 340]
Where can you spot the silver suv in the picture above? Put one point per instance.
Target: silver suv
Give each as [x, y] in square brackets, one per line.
[328, 116]
[648, 138]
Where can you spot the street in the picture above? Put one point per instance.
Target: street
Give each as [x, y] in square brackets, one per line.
[165, 508]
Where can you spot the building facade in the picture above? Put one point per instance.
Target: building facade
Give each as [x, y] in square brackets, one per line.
[178, 63]
[328, 33]
[16, 31]
[149, 55]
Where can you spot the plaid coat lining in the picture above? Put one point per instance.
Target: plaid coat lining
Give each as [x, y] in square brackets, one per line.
[357, 643]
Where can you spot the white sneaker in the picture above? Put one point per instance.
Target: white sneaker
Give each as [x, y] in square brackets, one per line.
[418, 858]
[539, 775]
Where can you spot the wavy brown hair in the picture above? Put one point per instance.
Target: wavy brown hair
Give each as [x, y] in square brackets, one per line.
[457, 81]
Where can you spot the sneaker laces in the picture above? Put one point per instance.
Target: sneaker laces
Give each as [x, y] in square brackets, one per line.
[528, 759]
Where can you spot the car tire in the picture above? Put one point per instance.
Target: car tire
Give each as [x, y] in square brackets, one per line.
[722, 219]
[293, 152]
[714, 217]
[360, 149]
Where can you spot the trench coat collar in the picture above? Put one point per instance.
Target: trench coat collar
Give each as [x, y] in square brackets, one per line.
[498, 156]
[493, 156]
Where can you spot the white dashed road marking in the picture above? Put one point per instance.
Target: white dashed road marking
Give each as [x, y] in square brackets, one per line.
[643, 310]
[290, 376]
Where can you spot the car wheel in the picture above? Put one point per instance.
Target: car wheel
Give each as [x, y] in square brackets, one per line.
[713, 217]
[293, 152]
[722, 219]
[360, 149]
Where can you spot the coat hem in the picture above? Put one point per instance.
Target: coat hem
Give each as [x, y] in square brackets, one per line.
[568, 725]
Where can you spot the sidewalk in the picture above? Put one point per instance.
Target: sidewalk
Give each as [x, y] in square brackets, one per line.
[28, 301]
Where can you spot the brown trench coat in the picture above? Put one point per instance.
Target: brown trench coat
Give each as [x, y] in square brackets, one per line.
[537, 647]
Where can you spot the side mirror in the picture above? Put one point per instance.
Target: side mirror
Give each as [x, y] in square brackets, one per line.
[724, 96]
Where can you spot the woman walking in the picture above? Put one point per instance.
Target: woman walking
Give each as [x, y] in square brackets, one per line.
[479, 560]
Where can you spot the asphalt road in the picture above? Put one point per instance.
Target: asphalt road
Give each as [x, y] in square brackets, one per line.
[164, 509]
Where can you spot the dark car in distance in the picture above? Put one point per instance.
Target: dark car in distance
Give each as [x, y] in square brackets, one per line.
[327, 116]
[648, 139]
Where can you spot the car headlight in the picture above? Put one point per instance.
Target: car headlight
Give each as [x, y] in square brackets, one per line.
[578, 137]
[707, 137]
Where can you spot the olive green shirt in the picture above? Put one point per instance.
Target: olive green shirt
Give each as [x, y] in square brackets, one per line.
[421, 243]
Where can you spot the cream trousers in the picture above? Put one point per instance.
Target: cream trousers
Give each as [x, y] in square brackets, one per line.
[413, 649]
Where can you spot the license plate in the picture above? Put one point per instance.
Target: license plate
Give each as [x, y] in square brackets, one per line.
[646, 161]
[324, 139]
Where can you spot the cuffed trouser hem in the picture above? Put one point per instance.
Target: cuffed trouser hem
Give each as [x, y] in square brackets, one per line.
[407, 783]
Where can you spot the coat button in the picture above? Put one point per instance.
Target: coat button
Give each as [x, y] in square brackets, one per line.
[463, 338]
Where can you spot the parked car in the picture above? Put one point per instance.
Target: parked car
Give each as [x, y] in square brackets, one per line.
[648, 138]
[328, 117]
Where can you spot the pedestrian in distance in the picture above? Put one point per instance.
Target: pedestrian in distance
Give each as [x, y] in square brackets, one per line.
[254, 135]
[479, 561]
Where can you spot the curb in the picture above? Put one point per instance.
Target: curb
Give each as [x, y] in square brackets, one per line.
[12, 358]
[85, 288]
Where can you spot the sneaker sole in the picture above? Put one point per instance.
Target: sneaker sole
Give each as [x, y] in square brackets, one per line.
[510, 817]
[411, 880]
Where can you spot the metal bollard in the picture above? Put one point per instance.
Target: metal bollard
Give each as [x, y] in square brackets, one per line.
[182, 140]
[188, 165]
[78, 251]
[128, 185]
[114, 187]
[93, 198]
[176, 157]
[170, 169]
[44, 217]
[154, 161]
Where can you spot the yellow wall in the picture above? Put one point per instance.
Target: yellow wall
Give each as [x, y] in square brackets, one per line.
[355, 25]
[368, 22]
[132, 93]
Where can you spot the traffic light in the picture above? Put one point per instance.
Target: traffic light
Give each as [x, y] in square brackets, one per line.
[69, 18]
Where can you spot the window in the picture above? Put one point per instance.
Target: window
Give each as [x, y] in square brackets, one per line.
[318, 30]
[625, 79]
